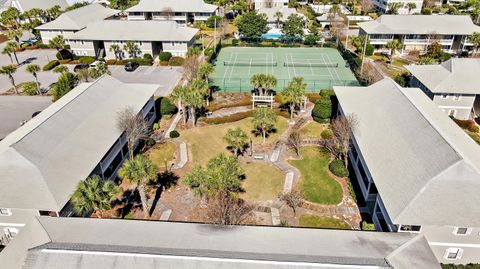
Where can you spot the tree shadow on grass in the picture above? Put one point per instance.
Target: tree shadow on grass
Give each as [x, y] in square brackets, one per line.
[164, 181]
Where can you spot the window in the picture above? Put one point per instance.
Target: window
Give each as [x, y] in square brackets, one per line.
[452, 112]
[5, 212]
[462, 231]
[444, 96]
[456, 97]
[453, 253]
[410, 228]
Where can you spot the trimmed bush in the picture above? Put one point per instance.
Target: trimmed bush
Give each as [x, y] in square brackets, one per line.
[29, 88]
[148, 56]
[43, 46]
[52, 64]
[327, 134]
[368, 226]
[140, 61]
[322, 111]
[163, 63]
[65, 61]
[166, 107]
[150, 142]
[176, 61]
[86, 59]
[337, 167]
[369, 50]
[174, 134]
[164, 56]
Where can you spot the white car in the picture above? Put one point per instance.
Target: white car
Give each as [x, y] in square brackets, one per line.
[94, 64]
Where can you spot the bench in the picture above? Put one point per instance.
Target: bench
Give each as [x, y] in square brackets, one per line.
[258, 157]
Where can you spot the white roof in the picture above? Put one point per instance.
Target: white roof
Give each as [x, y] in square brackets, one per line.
[270, 12]
[26, 5]
[457, 75]
[128, 30]
[79, 18]
[174, 5]
[420, 160]
[421, 24]
[42, 162]
[110, 243]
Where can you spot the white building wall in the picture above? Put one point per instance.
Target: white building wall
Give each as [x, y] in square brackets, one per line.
[456, 105]
[382, 6]
[46, 35]
[144, 47]
[82, 47]
[270, 3]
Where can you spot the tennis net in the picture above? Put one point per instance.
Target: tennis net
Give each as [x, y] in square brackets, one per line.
[235, 63]
[304, 64]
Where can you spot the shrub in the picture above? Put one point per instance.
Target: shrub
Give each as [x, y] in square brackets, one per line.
[327, 134]
[368, 226]
[322, 111]
[235, 42]
[166, 107]
[140, 61]
[467, 125]
[337, 167]
[163, 63]
[475, 137]
[150, 142]
[43, 46]
[110, 61]
[148, 56]
[52, 64]
[230, 118]
[313, 97]
[164, 56]
[370, 49]
[29, 88]
[86, 59]
[213, 21]
[174, 134]
[155, 126]
[65, 61]
[176, 61]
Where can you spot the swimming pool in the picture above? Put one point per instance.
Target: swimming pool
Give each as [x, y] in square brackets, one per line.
[272, 36]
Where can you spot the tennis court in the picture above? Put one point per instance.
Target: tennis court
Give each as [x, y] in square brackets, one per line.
[322, 68]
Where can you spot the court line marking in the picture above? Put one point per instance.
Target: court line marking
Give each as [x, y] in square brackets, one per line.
[335, 70]
[226, 70]
[328, 68]
[288, 68]
[233, 67]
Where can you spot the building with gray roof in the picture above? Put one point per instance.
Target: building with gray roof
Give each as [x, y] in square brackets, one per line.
[26, 5]
[97, 38]
[417, 170]
[452, 85]
[272, 17]
[109, 243]
[181, 11]
[75, 20]
[416, 32]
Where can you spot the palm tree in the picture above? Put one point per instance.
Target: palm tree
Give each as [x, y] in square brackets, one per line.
[57, 43]
[475, 40]
[60, 69]
[12, 47]
[131, 48]
[194, 99]
[178, 95]
[8, 70]
[94, 194]
[15, 35]
[295, 93]
[139, 171]
[204, 71]
[278, 15]
[394, 45]
[83, 74]
[264, 120]
[411, 6]
[8, 51]
[34, 69]
[237, 140]
[258, 81]
[394, 7]
[270, 82]
[116, 51]
[200, 86]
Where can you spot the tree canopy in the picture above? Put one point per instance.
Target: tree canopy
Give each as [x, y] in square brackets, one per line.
[252, 25]
[293, 26]
[264, 120]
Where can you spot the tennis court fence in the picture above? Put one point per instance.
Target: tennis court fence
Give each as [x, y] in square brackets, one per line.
[307, 64]
[244, 85]
[248, 63]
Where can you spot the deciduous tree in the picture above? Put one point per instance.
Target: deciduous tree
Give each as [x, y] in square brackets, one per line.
[252, 25]
[134, 126]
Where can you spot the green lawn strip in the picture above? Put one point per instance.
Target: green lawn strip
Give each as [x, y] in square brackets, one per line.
[263, 182]
[162, 152]
[316, 183]
[311, 130]
[322, 222]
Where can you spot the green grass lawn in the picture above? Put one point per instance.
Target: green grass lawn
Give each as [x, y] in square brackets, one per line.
[162, 152]
[323, 222]
[316, 184]
[263, 182]
[207, 141]
[312, 130]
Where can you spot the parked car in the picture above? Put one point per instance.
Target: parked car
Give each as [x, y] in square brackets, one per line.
[79, 67]
[30, 41]
[131, 66]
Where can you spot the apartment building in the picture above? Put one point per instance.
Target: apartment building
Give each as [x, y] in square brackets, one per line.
[405, 7]
[181, 11]
[277, 23]
[270, 4]
[151, 37]
[418, 172]
[416, 32]
[42, 162]
[453, 85]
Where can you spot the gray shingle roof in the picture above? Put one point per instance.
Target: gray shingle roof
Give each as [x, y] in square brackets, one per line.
[123, 244]
[420, 161]
[78, 18]
[421, 24]
[41, 4]
[270, 12]
[457, 75]
[125, 30]
[175, 5]
[42, 161]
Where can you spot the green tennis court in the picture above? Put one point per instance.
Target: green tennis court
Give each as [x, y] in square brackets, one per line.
[322, 68]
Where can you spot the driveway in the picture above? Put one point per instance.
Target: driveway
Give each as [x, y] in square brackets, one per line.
[15, 109]
[164, 76]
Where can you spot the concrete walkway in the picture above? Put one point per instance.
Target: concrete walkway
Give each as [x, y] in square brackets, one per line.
[172, 127]
[183, 156]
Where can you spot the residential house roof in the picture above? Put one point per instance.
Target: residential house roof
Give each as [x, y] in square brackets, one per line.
[457, 75]
[125, 30]
[110, 243]
[421, 24]
[426, 169]
[174, 5]
[25, 5]
[79, 18]
[271, 13]
[42, 162]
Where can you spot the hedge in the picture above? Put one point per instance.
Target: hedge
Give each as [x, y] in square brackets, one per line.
[322, 111]
[327, 134]
[174, 134]
[176, 61]
[52, 64]
[148, 56]
[230, 118]
[140, 61]
[337, 167]
[164, 56]
[166, 107]
[86, 59]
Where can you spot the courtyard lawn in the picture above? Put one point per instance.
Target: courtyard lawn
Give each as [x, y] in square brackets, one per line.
[315, 183]
[322, 222]
[207, 141]
[163, 152]
[312, 130]
[263, 182]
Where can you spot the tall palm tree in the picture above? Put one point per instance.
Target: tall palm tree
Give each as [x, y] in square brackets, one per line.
[8, 70]
[394, 7]
[34, 69]
[12, 47]
[278, 16]
[116, 51]
[131, 48]
[93, 194]
[475, 40]
[57, 43]
[258, 81]
[394, 45]
[294, 93]
[194, 100]
[264, 120]
[8, 51]
[204, 71]
[15, 35]
[237, 140]
[139, 171]
[200, 86]
[270, 82]
[178, 95]
[411, 6]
